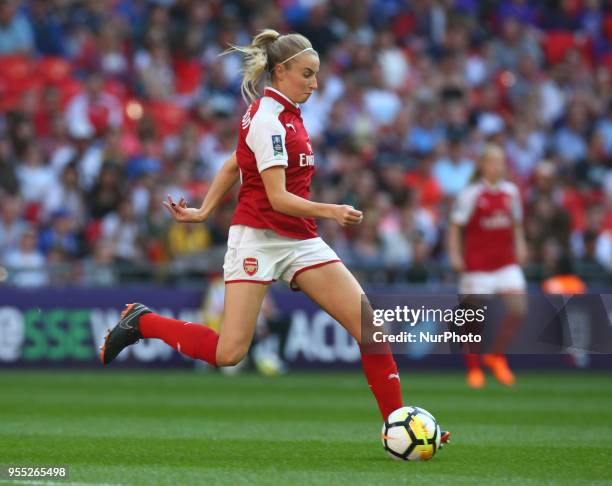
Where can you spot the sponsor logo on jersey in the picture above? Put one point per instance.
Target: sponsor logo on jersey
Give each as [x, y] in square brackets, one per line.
[306, 160]
[277, 145]
[250, 266]
[498, 220]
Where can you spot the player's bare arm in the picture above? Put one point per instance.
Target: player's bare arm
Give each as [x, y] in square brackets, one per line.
[520, 244]
[454, 247]
[221, 184]
[288, 203]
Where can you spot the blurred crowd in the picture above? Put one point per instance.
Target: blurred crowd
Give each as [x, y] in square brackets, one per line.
[106, 106]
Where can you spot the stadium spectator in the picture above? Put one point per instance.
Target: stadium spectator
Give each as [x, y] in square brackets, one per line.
[602, 242]
[66, 195]
[9, 183]
[418, 272]
[604, 127]
[318, 28]
[60, 235]
[382, 104]
[590, 171]
[155, 71]
[155, 227]
[454, 169]
[424, 184]
[16, 35]
[588, 262]
[570, 143]
[106, 195]
[12, 225]
[545, 222]
[97, 268]
[187, 240]
[122, 228]
[427, 132]
[36, 179]
[94, 111]
[366, 248]
[515, 42]
[26, 263]
[48, 33]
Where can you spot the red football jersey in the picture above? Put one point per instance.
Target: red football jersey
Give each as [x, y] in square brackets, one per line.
[488, 214]
[272, 134]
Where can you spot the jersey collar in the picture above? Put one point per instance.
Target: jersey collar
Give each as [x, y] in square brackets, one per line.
[491, 186]
[282, 99]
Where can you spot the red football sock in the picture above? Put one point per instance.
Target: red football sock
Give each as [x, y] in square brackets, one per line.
[472, 361]
[194, 340]
[383, 378]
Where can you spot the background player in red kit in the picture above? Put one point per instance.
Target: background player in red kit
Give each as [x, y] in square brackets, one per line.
[273, 233]
[486, 246]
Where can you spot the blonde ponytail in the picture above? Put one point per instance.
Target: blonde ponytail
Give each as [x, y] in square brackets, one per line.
[267, 49]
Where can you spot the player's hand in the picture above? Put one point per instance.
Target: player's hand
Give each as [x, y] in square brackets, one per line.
[181, 213]
[346, 215]
[457, 263]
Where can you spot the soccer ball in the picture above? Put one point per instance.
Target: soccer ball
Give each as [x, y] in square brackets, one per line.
[411, 434]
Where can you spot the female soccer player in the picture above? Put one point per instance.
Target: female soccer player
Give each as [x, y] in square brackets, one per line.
[273, 232]
[486, 246]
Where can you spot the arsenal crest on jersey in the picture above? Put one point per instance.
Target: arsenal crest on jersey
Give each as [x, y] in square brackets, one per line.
[250, 266]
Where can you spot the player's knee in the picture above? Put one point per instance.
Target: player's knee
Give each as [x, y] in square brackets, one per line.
[231, 356]
[516, 305]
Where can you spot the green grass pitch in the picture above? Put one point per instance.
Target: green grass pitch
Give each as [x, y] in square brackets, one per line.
[184, 428]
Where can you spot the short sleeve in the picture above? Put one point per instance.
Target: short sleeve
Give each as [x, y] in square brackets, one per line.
[464, 205]
[266, 138]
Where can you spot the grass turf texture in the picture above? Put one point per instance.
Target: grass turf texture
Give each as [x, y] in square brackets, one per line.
[160, 427]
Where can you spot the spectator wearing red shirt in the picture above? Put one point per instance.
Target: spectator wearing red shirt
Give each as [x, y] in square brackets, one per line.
[425, 186]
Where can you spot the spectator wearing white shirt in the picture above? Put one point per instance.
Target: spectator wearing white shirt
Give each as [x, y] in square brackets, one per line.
[393, 61]
[94, 111]
[382, 103]
[26, 264]
[35, 178]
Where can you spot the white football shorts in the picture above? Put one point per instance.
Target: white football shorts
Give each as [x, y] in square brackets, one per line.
[263, 256]
[506, 279]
